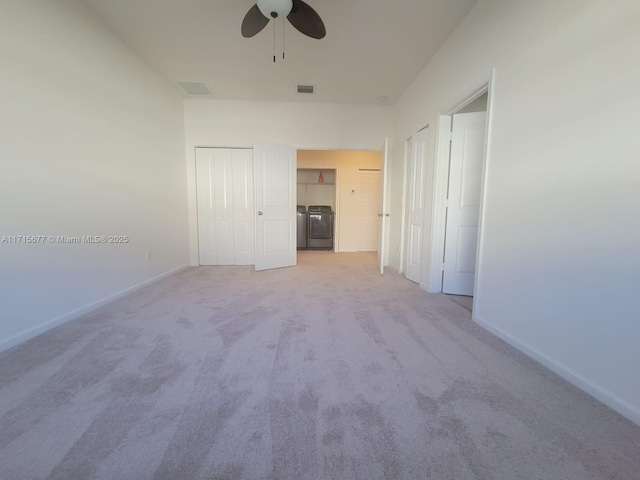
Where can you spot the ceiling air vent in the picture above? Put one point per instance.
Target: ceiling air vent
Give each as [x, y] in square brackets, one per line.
[306, 89]
[195, 88]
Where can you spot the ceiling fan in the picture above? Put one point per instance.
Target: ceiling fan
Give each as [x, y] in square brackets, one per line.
[300, 15]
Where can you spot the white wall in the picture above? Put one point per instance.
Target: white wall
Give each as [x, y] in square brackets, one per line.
[304, 125]
[559, 271]
[92, 143]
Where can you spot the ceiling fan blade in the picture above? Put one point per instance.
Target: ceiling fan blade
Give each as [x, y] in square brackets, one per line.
[306, 20]
[253, 22]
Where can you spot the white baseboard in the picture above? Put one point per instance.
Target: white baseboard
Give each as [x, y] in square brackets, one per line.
[59, 320]
[610, 399]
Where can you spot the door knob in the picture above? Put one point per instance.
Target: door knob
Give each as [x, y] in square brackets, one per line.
[260, 213]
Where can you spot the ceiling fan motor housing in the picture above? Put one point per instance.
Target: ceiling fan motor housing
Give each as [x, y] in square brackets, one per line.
[275, 8]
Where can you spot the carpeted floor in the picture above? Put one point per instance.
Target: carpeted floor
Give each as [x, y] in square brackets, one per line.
[323, 371]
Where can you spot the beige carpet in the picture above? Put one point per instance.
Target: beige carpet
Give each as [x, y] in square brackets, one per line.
[465, 301]
[323, 371]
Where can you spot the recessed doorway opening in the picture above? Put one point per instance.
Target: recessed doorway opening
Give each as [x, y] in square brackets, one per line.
[461, 152]
[349, 182]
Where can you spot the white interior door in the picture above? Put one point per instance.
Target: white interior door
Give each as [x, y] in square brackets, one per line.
[416, 205]
[243, 236]
[369, 196]
[463, 206]
[224, 180]
[275, 194]
[215, 213]
[384, 211]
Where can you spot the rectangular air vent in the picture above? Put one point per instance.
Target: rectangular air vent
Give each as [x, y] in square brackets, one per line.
[195, 88]
[306, 89]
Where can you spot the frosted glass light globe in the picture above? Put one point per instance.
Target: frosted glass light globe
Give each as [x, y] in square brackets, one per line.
[275, 8]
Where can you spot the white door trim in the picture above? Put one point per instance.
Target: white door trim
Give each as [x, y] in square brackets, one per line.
[384, 214]
[441, 177]
[403, 205]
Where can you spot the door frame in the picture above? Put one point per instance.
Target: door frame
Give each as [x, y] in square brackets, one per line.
[192, 193]
[384, 207]
[408, 148]
[383, 192]
[336, 199]
[441, 179]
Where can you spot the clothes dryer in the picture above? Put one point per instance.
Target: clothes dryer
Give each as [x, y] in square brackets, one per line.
[320, 227]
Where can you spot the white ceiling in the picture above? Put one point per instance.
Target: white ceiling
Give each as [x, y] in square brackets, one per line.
[373, 48]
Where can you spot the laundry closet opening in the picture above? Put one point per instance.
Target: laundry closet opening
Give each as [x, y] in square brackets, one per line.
[342, 187]
[340, 193]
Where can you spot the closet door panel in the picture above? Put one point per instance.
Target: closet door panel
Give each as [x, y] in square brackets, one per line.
[223, 201]
[243, 206]
[206, 207]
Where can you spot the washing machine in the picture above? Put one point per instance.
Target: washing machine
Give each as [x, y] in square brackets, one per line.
[320, 227]
[301, 218]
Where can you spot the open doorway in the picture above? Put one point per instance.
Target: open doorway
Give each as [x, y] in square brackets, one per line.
[458, 191]
[466, 161]
[351, 186]
[245, 201]
[316, 207]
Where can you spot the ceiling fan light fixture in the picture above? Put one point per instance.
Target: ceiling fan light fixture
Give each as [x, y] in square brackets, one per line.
[299, 14]
[275, 8]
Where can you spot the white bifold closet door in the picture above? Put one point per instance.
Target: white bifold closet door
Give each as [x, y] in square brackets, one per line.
[415, 205]
[224, 182]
